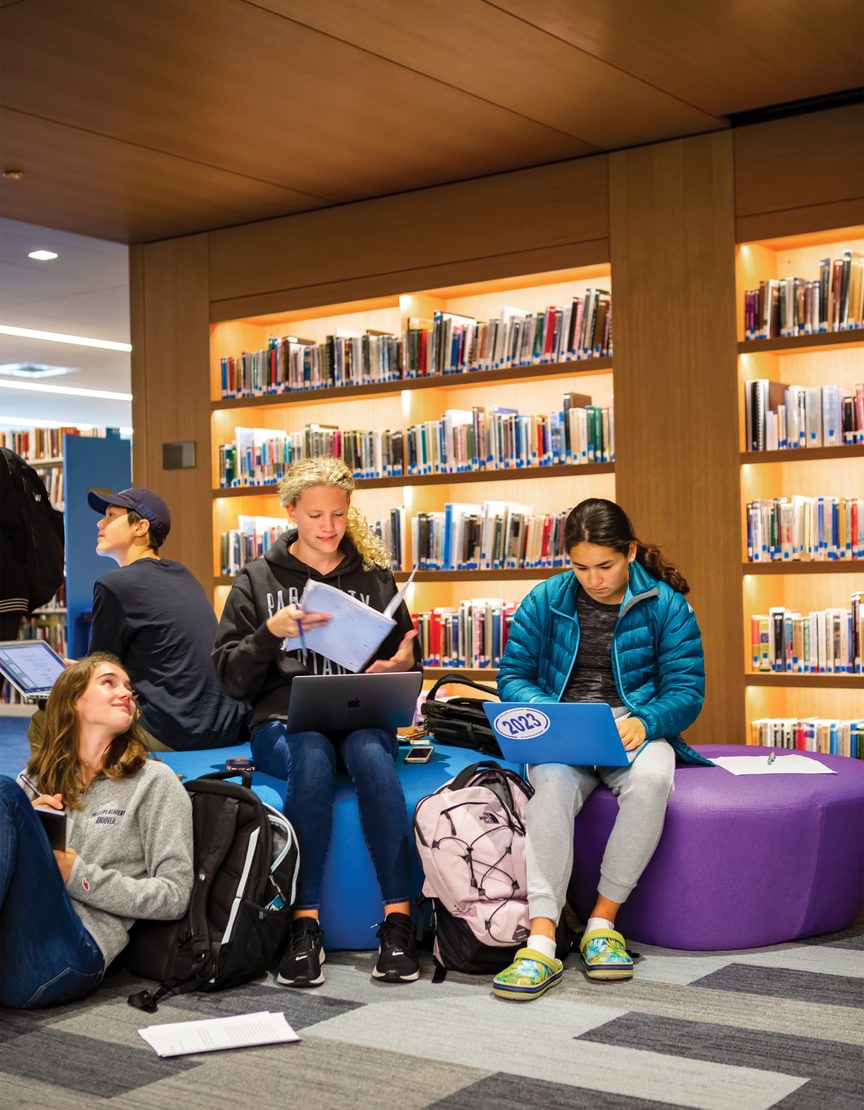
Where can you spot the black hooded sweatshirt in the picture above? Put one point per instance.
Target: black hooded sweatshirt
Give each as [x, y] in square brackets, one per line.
[250, 659]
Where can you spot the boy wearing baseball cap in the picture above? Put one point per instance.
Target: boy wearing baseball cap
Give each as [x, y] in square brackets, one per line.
[152, 613]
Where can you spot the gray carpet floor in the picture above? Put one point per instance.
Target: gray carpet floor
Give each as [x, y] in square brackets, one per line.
[773, 1027]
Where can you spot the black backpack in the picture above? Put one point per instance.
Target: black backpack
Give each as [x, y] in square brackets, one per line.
[40, 561]
[460, 722]
[246, 859]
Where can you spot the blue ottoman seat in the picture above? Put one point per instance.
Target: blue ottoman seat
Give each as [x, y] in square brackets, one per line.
[350, 896]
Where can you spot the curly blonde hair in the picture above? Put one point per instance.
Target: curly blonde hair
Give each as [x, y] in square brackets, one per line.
[325, 470]
[56, 766]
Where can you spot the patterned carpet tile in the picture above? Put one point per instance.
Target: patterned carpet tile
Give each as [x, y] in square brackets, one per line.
[836, 1067]
[538, 1094]
[302, 1007]
[94, 1067]
[826, 990]
[779, 1028]
[672, 966]
[853, 937]
[746, 1011]
[541, 1041]
[314, 1075]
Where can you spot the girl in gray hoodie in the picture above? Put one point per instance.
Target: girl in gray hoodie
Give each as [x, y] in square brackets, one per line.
[66, 913]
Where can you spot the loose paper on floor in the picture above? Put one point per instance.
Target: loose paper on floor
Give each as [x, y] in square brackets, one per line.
[781, 765]
[180, 1038]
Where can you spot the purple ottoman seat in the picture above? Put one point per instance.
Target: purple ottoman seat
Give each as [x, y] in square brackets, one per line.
[743, 861]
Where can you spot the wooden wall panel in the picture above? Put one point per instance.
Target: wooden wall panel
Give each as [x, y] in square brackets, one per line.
[527, 211]
[171, 389]
[804, 173]
[676, 469]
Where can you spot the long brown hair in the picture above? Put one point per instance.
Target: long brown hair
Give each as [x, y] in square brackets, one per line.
[56, 767]
[605, 524]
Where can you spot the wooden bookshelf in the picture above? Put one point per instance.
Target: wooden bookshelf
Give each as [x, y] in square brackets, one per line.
[540, 372]
[790, 344]
[668, 217]
[834, 470]
[530, 389]
[87, 458]
[791, 566]
[508, 474]
[804, 454]
[505, 574]
[815, 681]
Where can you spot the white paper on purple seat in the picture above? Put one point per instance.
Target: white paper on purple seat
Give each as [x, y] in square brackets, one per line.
[780, 765]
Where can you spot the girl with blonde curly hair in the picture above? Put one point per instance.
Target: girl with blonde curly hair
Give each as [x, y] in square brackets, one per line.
[329, 541]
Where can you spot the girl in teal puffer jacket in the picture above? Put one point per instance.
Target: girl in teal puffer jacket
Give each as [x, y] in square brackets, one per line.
[616, 630]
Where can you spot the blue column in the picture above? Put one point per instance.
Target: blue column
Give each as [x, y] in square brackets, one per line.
[106, 465]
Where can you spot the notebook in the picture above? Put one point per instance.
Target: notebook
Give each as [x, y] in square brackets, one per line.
[577, 733]
[342, 702]
[32, 666]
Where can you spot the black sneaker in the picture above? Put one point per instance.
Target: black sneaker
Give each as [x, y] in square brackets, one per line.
[397, 953]
[301, 964]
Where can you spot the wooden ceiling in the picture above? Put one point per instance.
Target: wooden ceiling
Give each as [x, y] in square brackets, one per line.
[136, 120]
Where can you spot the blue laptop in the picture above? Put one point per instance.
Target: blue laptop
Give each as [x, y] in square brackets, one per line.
[577, 733]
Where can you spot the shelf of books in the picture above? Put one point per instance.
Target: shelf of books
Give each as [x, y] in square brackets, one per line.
[52, 457]
[473, 417]
[801, 377]
[42, 448]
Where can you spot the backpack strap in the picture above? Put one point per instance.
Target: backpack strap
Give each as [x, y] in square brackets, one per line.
[459, 680]
[497, 779]
[468, 773]
[243, 773]
[149, 1002]
[220, 839]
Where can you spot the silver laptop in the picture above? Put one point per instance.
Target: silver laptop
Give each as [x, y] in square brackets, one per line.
[576, 733]
[342, 702]
[31, 666]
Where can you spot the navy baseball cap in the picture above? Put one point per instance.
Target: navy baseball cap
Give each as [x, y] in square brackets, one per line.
[142, 501]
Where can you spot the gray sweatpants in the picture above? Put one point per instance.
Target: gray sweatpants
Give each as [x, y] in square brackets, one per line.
[643, 790]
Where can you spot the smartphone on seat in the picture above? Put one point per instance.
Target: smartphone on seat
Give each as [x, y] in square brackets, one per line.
[422, 753]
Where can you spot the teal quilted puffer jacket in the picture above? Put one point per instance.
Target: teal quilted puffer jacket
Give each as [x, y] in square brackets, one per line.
[657, 657]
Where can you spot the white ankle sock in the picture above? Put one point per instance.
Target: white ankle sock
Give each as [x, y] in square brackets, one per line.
[598, 923]
[539, 943]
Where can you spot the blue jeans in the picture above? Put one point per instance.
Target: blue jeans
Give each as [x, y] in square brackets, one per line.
[46, 955]
[308, 762]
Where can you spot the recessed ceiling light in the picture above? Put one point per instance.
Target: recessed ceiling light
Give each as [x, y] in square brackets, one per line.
[42, 256]
[69, 390]
[59, 337]
[35, 371]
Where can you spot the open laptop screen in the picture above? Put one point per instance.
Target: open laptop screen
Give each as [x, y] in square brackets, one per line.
[32, 666]
[573, 733]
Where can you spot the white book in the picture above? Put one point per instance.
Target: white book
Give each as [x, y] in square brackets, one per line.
[814, 416]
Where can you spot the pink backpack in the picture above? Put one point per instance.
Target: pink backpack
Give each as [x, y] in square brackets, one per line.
[470, 837]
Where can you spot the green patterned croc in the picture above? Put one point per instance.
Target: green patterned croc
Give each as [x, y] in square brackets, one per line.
[605, 956]
[530, 975]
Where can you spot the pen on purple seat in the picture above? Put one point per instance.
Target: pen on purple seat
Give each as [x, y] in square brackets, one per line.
[771, 758]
